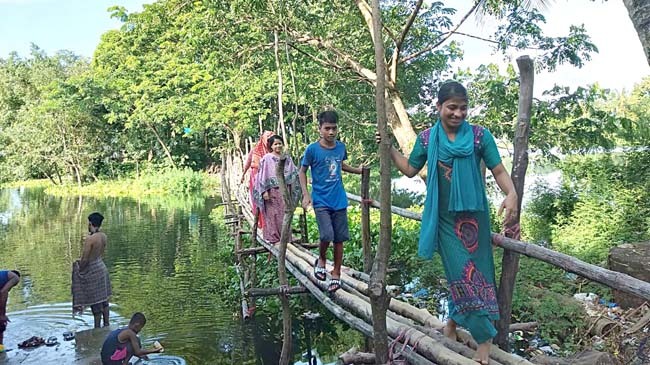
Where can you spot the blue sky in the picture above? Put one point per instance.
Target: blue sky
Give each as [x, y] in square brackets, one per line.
[77, 25]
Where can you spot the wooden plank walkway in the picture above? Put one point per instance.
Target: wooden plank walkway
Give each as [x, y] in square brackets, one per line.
[415, 332]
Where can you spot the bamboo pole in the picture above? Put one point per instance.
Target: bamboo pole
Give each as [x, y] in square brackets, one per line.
[267, 292]
[379, 298]
[609, 278]
[365, 220]
[242, 286]
[301, 266]
[262, 249]
[395, 210]
[282, 271]
[612, 279]
[510, 259]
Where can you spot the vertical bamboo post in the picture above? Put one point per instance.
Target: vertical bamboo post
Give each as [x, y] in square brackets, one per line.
[365, 220]
[282, 270]
[303, 227]
[253, 266]
[510, 261]
[379, 299]
[242, 280]
[365, 232]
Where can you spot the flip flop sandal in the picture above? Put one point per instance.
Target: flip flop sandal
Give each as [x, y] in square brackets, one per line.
[319, 272]
[31, 342]
[335, 284]
[482, 362]
[52, 341]
[68, 336]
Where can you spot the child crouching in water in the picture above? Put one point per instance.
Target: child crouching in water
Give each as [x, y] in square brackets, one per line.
[123, 343]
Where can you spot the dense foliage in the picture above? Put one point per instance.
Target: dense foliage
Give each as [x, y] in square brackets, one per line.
[604, 200]
[182, 80]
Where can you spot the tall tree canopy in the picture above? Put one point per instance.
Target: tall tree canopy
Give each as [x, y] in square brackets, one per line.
[181, 80]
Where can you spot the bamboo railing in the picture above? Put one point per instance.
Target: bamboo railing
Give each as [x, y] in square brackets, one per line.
[415, 330]
[352, 305]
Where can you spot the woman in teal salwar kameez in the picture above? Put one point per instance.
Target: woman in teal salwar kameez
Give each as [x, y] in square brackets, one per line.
[456, 220]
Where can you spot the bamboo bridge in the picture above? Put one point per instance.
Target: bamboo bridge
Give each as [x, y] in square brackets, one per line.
[415, 334]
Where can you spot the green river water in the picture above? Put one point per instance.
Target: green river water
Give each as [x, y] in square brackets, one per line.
[166, 258]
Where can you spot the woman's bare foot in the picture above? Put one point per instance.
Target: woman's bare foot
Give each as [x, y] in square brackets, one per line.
[450, 330]
[482, 354]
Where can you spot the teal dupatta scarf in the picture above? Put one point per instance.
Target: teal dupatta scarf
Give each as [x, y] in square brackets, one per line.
[467, 191]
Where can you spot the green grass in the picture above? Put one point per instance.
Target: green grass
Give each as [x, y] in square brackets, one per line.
[154, 183]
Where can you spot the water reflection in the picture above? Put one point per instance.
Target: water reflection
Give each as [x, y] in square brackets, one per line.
[166, 259]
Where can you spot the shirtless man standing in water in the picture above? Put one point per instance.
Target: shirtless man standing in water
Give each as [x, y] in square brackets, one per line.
[90, 282]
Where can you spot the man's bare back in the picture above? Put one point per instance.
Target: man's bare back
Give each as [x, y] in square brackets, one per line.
[94, 246]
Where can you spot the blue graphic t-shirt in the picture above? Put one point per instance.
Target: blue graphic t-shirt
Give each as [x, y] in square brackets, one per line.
[4, 277]
[326, 181]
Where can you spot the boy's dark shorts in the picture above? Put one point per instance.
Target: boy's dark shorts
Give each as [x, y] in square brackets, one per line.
[97, 308]
[332, 224]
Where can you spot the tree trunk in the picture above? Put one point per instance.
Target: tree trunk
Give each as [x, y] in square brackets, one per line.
[278, 67]
[282, 270]
[77, 173]
[354, 356]
[162, 144]
[639, 11]
[631, 259]
[58, 175]
[510, 260]
[400, 122]
[379, 299]
[295, 100]
[365, 220]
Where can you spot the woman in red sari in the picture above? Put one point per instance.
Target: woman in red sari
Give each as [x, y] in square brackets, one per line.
[253, 163]
[266, 191]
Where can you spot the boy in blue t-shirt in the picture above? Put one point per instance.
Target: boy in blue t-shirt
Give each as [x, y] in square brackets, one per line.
[8, 279]
[325, 157]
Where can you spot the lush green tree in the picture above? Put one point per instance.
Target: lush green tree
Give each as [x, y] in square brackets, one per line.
[48, 127]
[182, 80]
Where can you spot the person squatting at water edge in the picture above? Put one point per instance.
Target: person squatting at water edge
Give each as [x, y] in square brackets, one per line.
[122, 343]
[456, 220]
[91, 285]
[266, 191]
[8, 279]
[253, 162]
[326, 158]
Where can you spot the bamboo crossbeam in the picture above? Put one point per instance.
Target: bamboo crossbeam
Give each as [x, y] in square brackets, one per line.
[251, 251]
[267, 292]
[396, 210]
[261, 249]
[612, 279]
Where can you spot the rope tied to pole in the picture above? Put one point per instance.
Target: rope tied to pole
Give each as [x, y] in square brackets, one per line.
[396, 357]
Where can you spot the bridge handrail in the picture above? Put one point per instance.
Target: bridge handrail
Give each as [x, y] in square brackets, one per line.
[610, 278]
